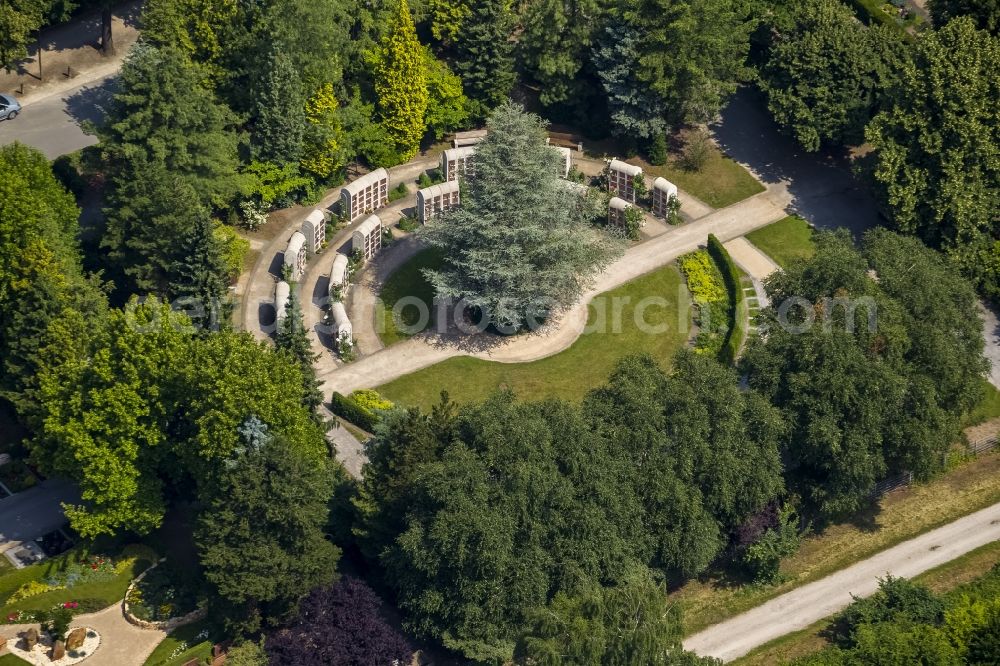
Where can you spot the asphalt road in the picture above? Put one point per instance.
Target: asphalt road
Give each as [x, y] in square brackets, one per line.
[824, 190]
[801, 607]
[37, 511]
[52, 125]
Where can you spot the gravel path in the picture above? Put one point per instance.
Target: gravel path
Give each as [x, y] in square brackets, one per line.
[122, 644]
[801, 607]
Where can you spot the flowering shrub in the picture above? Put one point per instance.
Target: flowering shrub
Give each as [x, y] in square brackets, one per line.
[254, 215]
[161, 594]
[30, 589]
[703, 279]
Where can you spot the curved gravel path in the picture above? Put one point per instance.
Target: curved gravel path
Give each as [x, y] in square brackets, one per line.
[427, 349]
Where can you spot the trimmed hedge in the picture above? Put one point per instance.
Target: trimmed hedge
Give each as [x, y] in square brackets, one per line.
[731, 277]
[349, 410]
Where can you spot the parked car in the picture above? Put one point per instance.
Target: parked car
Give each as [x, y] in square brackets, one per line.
[9, 107]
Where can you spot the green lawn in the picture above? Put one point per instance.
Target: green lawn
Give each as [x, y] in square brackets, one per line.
[184, 644]
[720, 182]
[408, 281]
[102, 593]
[11, 660]
[570, 373]
[944, 578]
[785, 241]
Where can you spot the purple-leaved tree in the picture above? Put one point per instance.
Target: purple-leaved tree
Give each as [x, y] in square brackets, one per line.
[340, 625]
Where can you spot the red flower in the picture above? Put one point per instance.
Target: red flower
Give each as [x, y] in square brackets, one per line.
[93, 566]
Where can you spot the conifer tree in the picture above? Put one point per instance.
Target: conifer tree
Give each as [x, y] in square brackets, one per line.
[323, 138]
[291, 337]
[485, 59]
[198, 276]
[521, 238]
[401, 84]
[281, 113]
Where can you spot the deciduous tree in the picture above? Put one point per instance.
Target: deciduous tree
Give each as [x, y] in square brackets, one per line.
[937, 148]
[340, 625]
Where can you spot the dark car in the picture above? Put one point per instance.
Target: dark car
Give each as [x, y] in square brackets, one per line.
[9, 107]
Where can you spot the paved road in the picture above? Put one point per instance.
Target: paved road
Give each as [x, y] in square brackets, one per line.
[803, 606]
[823, 189]
[34, 512]
[52, 125]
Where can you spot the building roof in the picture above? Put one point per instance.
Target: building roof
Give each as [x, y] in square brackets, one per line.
[338, 273]
[664, 185]
[437, 190]
[364, 181]
[295, 245]
[372, 223]
[315, 218]
[618, 204]
[459, 153]
[630, 169]
[281, 294]
[339, 314]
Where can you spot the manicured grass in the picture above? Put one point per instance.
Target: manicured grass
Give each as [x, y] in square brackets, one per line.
[785, 241]
[944, 578]
[11, 660]
[570, 373]
[105, 592]
[182, 636]
[407, 282]
[903, 515]
[720, 182]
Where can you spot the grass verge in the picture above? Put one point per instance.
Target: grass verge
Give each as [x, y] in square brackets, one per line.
[574, 371]
[720, 182]
[900, 516]
[785, 241]
[944, 578]
[407, 282]
[191, 641]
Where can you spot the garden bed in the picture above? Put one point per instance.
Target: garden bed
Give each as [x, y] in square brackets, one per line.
[78, 580]
[161, 594]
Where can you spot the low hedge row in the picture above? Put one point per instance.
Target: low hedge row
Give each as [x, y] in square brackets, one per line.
[349, 410]
[731, 277]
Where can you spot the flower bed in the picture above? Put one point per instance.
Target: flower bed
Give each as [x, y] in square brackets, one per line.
[161, 594]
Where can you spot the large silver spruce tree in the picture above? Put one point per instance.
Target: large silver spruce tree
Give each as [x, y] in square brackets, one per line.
[523, 241]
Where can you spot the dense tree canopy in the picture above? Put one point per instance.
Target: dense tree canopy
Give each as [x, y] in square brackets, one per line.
[41, 279]
[984, 13]
[148, 404]
[480, 516]
[522, 242]
[937, 148]
[870, 379]
[825, 74]
[260, 535]
[632, 624]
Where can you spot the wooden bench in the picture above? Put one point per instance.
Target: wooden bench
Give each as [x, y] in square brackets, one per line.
[469, 138]
[565, 140]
